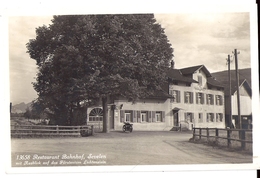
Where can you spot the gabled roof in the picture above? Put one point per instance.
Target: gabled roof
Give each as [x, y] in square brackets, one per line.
[176, 75]
[191, 70]
[241, 83]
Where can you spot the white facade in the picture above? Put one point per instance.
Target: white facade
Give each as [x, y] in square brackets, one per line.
[189, 104]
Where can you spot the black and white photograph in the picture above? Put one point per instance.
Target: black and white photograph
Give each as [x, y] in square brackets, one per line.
[139, 91]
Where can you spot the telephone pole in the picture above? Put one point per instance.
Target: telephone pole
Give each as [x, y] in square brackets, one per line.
[230, 100]
[238, 93]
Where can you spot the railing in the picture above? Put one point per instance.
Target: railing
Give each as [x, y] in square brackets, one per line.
[43, 130]
[242, 136]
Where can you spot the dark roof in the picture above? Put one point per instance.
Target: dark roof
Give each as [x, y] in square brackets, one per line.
[213, 82]
[176, 75]
[191, 70]
[163, 93]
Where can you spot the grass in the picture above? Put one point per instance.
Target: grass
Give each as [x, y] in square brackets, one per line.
[222, 142]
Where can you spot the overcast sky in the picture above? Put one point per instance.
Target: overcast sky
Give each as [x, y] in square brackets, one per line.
[196, 38]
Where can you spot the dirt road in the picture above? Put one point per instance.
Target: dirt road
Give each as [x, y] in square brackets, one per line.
[118, 148]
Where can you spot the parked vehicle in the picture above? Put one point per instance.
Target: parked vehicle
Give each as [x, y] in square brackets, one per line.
[127, 127]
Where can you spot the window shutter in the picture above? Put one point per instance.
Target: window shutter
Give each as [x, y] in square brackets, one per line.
[153, 116]
[178, 96]
[163, 116]
[221, 100]
[197, 96]
[122, 115]
[185, 97]
[207, 98]
[202, 98]
[200, 80]
[191, 97]
[138, 116]
[135, 116]
[212, 101]
[149, 116]
[132, 116]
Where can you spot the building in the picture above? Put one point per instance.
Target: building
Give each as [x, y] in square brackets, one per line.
[245, 92]
[192, 98]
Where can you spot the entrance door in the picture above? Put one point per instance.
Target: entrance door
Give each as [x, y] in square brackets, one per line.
[175, 119]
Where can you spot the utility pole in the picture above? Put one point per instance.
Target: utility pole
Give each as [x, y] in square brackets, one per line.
[230, 99]
[238, 93]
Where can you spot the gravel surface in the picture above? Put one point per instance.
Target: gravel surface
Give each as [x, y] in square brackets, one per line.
[118, 148]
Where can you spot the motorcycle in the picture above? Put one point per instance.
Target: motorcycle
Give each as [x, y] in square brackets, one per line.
[127, 127]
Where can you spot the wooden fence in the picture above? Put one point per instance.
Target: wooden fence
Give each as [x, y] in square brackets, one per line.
[47, 130]
[241, 136]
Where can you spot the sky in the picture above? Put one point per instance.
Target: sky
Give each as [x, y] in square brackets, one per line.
[197, 38]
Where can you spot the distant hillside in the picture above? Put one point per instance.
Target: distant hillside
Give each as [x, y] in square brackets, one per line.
[223, 78]
[21, 108]
[243, 74]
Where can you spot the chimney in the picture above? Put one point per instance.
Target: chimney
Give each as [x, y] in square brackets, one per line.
[172, 64]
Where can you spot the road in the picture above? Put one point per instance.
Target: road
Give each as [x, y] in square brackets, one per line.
[118, 148]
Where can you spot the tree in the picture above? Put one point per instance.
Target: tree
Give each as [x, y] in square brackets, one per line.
[27, 113]
[85, 58]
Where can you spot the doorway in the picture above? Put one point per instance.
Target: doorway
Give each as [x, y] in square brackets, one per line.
[175, 117]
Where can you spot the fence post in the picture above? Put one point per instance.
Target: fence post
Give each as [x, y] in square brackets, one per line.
[194, 130]
[207, 134]
[216, 138]
[200, 133]
[243, 137]
[57, 129]
[228, 138]
[78, 129]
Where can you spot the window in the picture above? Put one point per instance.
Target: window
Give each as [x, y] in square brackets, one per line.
[144, 117]
[188, 97]
[127, 117]
[200, 117]
[210, 99]
[219, 100]
[200, 80]
[210, 117]
[200, 98]
[96, 114]
[189, 117]
[175, 96]
[158, 116]
[219, 117]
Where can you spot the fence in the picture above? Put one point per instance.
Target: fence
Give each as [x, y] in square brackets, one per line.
[44, 130]
[240, 138]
